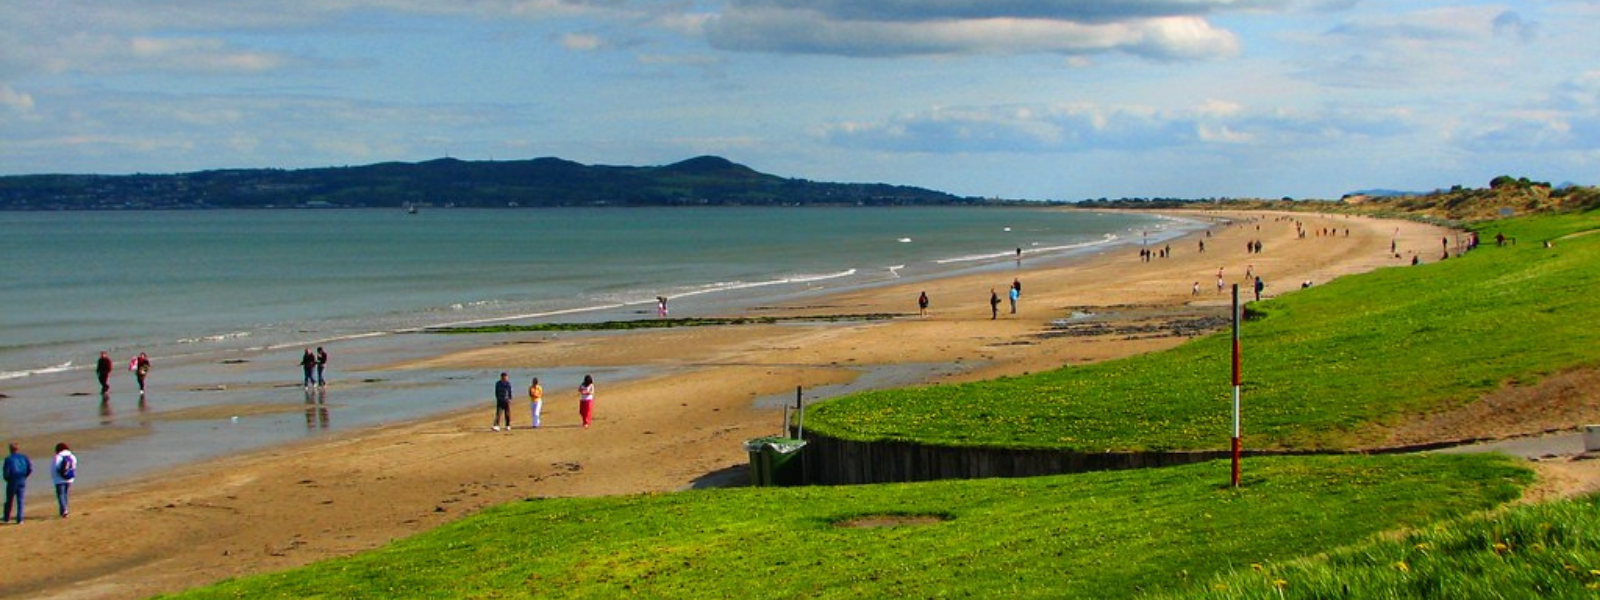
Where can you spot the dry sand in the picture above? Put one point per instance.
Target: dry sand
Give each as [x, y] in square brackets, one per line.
[681, 427]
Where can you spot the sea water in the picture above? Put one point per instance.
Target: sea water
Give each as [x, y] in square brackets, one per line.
[224, 300]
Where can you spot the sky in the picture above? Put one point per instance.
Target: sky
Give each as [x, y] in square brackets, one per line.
[1029, 99]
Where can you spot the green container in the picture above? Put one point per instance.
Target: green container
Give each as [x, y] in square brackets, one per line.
[775, 461]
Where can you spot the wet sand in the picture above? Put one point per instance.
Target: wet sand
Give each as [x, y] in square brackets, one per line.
[704, 391]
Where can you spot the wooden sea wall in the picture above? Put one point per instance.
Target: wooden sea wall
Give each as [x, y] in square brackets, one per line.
[831, 461]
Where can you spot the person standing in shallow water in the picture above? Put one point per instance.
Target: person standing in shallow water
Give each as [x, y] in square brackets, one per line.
[308, 365]
[102, 371]
[322, 362]
[586, 400]
[141, 370]
[502, 402]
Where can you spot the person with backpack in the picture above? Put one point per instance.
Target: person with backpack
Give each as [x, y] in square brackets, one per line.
[64, 471]
[16, 472]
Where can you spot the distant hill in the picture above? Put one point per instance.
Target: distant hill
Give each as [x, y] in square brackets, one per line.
[705, 180]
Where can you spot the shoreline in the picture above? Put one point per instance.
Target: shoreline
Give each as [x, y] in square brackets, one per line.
[680, 425]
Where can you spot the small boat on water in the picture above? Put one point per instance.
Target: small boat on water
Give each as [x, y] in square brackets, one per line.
[411, 209]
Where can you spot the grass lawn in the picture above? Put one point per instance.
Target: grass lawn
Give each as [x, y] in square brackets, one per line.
[1548, 551]
[1104, 535]
[1321, 365]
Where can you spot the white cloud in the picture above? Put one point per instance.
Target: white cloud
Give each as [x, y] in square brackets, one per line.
[1058, 10]
[581, 42]
[13, 100]
[812, 32]
[1074, 128]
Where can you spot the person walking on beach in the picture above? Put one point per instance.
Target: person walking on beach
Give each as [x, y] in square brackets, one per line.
[322, 362]
[922, 304]
[141, 370]
[308, 364]
[586, 400]
[1259, 287]
[62, 471]
[502, 402]
[102, 370]
[661, 306]
[16, 471]
[536, 401]
[994, 305]
[1015, 293]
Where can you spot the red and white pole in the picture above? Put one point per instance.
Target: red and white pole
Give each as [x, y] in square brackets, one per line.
[1236, 384]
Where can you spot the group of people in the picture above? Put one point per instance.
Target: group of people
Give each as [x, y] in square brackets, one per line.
[313, 364]
[140, 365]
[1015, 293]
[503, 394]
[17, 469]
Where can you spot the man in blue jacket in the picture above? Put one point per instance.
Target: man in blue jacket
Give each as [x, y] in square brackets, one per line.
[17, 470]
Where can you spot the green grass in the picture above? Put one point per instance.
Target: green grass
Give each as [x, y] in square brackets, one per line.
[1322, 366]
[1103, 535]
[1543, 551]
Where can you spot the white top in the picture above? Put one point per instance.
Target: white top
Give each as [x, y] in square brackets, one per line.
[55, 466]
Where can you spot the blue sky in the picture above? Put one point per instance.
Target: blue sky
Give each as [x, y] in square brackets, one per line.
[1064, 99]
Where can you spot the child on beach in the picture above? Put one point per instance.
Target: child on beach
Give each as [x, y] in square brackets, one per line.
[586, 400]
[536, 400]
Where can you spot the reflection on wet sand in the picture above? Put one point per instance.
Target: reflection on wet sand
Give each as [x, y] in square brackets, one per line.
[316, 408]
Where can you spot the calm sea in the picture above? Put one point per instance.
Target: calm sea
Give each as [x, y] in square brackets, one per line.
[178, 283]
[223, 301]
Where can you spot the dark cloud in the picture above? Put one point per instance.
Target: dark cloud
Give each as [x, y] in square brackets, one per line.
[1511, 25]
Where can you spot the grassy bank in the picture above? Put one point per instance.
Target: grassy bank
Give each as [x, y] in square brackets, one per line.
[1548, 551]
[1103, 535]
[1321, 367]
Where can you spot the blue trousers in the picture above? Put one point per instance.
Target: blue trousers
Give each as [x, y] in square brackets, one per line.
[13, 492]
[61, 496]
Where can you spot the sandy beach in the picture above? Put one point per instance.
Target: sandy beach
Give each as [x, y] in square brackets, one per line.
[710, 389]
